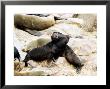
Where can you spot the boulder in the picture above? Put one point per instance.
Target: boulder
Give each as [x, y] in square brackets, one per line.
[83, 46]
[90, 22]
[66, 15]
[30, 73]
[64, 28]
[33, 22]
[36, 43]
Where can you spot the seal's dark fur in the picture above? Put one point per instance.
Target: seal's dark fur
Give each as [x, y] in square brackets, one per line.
[16, 54]
[50, 51]
[72, 58]
[56, 48]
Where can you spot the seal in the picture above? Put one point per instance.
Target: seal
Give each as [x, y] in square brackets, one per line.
[50, 51]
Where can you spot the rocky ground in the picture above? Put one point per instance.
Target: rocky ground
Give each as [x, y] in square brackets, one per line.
[83, 42]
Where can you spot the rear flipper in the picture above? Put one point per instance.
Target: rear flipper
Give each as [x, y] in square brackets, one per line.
[78, 69]
[73, 59]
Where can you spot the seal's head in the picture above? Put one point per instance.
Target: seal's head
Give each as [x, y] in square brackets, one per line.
[57, 36]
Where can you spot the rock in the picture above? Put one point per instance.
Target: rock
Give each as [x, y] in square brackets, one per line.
[34, 32]
[17, 66]
[23, 37]
[33, 22]
[30, 73]
[36, 43]
[67, 29]
[89, 69]
[74, 21]
[62, 16]
[65, 16]
[83, 46]
[90, 21]
[63, 28]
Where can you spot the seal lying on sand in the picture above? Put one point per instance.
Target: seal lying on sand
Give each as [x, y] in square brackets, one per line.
[50, 51]
[53, 50]
[72, 58]
[67, 52]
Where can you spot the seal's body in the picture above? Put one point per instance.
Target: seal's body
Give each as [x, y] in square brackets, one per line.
[72, 58]
[50, 51]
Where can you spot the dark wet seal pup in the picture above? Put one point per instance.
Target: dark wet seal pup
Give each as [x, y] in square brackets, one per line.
[16, 54]
[50, 51]
[72, 58]
[59, 42]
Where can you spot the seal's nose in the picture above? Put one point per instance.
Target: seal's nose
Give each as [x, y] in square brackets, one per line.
[55, 35]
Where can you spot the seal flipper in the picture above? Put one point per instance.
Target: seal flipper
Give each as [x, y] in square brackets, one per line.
[78, 69]
[26, 60]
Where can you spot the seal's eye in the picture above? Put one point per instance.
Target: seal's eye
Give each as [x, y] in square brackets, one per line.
[56, 36]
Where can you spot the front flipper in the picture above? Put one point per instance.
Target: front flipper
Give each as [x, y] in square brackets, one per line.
[54, 60]
[78, 69]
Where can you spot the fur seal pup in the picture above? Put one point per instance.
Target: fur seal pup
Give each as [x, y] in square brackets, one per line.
[50, 51]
